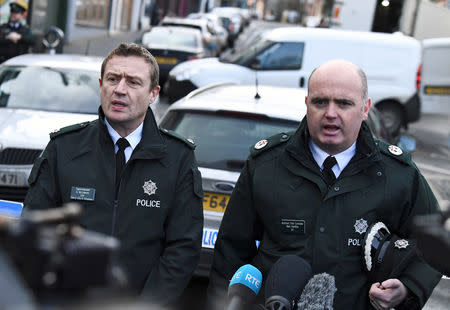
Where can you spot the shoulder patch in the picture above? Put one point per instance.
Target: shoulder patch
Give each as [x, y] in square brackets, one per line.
[67, 129]
[267, 144]
[394, 152]
[172, 133]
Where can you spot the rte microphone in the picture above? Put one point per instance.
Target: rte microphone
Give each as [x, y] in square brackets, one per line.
[318, 293]
[243, 288]
[286, 280]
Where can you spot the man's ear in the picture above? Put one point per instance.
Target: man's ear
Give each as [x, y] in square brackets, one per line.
[100, 82]
[154, 93]
[367, 108]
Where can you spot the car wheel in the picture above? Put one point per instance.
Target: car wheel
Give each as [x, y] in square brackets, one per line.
[392, 117]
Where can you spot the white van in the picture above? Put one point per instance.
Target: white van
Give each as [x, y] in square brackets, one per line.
[435, 89]
[286, 56]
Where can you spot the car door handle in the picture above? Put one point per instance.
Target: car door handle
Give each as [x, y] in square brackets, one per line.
[302, 82]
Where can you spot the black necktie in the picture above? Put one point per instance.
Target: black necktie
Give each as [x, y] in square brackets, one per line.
[122, 143]
[327, 172]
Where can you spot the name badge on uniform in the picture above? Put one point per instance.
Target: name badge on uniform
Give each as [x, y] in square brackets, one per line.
[293, 226]
[82, 193]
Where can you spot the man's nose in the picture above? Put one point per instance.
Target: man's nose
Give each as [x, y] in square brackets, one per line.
[331, 110]
[121, 87]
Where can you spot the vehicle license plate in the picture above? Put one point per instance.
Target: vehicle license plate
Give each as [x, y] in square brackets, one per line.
[166, 60]
[215, 202]
[10, 178]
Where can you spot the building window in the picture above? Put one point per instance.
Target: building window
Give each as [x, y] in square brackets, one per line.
[93, 13]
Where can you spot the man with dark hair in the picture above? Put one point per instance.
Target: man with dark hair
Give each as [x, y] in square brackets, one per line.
[136, 182]
[315, 193]
[15, 37]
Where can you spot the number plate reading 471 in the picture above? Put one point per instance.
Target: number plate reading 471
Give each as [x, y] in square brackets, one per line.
[215, 202]
[11, 178]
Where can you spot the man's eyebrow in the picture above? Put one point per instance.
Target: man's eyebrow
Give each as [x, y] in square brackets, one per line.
[127, 76]
[345, 101]
[317, 99]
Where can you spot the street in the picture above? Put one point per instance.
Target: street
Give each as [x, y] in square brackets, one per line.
[430, 137]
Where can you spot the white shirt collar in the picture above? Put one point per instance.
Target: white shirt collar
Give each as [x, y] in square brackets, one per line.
[342, 158]
[133, 138]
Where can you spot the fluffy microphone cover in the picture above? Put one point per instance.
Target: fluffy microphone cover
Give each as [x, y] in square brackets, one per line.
[318, 293]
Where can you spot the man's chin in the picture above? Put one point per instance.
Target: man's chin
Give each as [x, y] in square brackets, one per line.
[330, 145]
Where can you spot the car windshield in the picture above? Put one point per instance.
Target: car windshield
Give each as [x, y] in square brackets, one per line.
[243, 55]
[171, 38]
[223, 138]
[49, 89]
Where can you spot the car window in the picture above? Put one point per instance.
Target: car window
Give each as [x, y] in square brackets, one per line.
[223, 139]
[245, 55]
[281, 56]
[49, 89]
[171, 38]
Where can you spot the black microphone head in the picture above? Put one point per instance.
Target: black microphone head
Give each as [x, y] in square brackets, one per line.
[285, 282]
[318, 293]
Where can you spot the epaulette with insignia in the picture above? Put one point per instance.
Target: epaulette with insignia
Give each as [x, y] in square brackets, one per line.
[172, 133]
[67, 129]
[266, 144]
[394, 151]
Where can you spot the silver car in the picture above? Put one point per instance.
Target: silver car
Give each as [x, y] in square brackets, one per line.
[39, 94]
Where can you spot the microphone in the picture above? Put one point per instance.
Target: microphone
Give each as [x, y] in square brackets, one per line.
[244, 286]
[286, 280]
[318, 293]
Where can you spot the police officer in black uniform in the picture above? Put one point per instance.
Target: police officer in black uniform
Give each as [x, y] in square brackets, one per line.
[315, 193]
[15, 37]
[135, 181]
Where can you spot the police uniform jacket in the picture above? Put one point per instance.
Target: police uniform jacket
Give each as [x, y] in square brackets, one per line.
[158, 214]
[282, 200]
[9, 49]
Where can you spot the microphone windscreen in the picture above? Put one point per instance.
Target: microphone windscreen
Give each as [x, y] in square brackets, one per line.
[245, 283]
[287, 277]
[318, 293]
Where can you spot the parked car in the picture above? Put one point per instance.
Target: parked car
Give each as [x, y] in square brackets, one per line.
[286, 57]
[435, 83]
[232, 22]
[221, 32]
[39, 94]
[209, 34]
[225, 120]
[173, 45]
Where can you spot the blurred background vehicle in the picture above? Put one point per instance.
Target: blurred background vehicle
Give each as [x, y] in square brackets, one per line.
[221, 32]
[173, 45]
[40, 94]
[435, 83]
[209, 35]
[286, 57]
[225, 121]
[232, 21]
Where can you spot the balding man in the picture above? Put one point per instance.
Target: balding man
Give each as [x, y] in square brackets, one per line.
[315, 192]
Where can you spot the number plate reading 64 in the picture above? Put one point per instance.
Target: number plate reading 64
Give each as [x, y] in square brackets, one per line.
[215, 202]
